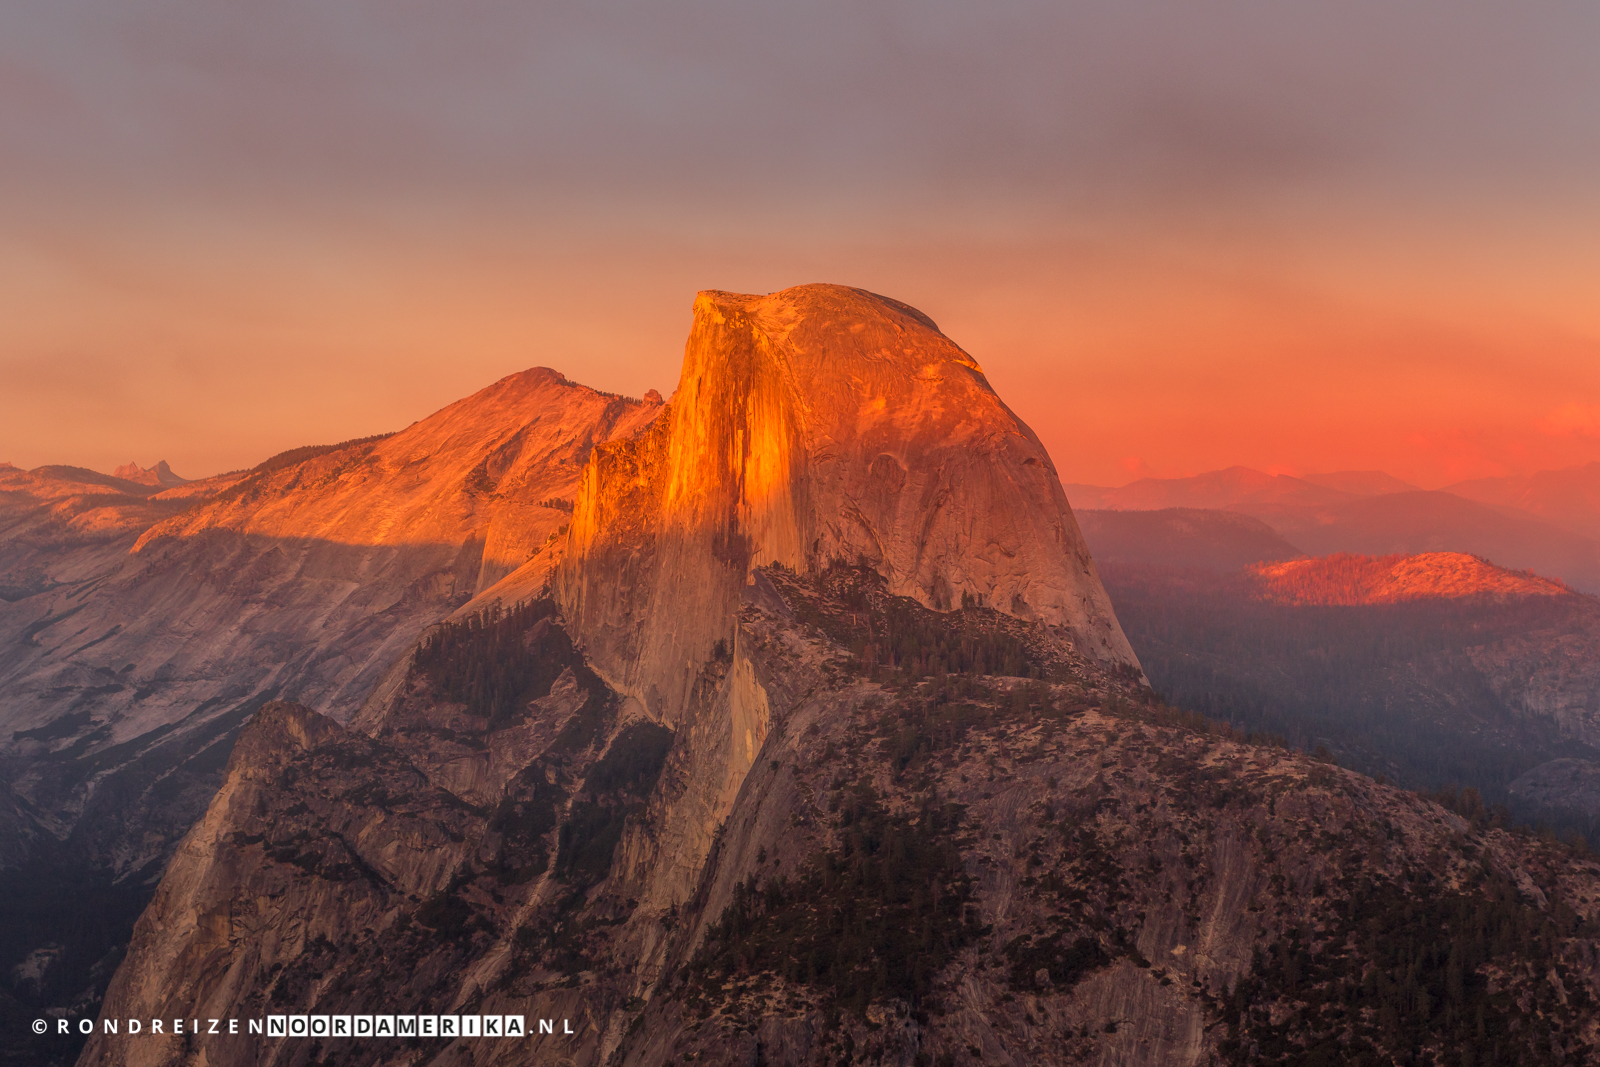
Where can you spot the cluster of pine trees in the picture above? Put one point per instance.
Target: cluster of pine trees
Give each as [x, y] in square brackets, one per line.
[1407, 970]
[897, 640]
[496, 661]
[876, 918]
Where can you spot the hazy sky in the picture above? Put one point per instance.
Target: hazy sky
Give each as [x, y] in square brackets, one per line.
[1178, 236]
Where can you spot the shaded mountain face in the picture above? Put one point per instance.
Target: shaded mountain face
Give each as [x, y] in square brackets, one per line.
[143, 626]
[1568, 498]
[1183, 537]
[1562, 786]
[52, 513]
[1018, 858]
[804, 760]
[1435, 670]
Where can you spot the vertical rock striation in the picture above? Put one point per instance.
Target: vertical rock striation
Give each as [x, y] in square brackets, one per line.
[827, 748]
[817, 424]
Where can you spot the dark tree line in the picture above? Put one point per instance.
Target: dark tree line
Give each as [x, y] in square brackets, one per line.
[496, 661]
[896, 639]
[876, 918]
[1404, 970]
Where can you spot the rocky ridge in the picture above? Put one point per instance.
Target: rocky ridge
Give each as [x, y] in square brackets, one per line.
[826, 747]
[143, 625]
[959, 866]
[159, 475]
[147, 631]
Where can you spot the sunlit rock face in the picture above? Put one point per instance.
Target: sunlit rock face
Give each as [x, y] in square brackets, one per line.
[483, 473]
[858, 830]
[144, 626]
[816, 424]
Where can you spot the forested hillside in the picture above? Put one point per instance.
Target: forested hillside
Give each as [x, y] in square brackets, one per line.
[1430, 691]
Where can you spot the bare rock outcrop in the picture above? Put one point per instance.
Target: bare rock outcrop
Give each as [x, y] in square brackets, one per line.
[815, 424]
[143, 624]
[960, 866]
[824, 745]
[161, 475]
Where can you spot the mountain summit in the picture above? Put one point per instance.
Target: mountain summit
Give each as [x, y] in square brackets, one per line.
[821, 744]
[160, 474]
[817, 424]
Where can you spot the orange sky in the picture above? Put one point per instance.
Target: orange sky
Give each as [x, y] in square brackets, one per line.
[1265, 237]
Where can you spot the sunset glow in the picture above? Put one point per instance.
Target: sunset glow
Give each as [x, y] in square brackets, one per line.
[1275, 238]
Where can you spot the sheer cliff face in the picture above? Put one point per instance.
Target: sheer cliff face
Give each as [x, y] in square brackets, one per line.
[827, 748]
[958, 867]
[815, 424]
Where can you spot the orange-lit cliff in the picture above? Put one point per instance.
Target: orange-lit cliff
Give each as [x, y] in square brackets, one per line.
[816, 424]
[680, 805]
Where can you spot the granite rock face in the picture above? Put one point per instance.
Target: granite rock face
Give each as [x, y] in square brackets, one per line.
[143, 625]
[960, 866]
[820, 743]
[818, 424]
[813, 426]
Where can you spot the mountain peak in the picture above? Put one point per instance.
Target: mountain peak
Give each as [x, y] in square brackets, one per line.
[818, 307]
[160, 474]
[814, 425]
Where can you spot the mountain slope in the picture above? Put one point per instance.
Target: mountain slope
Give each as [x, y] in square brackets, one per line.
[1435, 670]
[963, 867]
[1568, 498]
[1182, 537]
[305, 578]
[759, 784]
[142, 628]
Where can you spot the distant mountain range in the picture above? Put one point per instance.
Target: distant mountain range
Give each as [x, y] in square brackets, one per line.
[1357, 611]
[1569, 498]
[1547, 522]
[160, 474]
